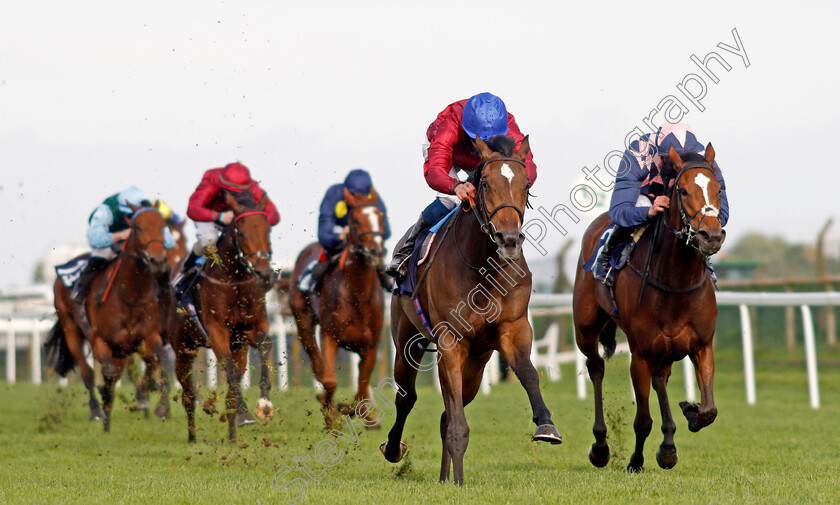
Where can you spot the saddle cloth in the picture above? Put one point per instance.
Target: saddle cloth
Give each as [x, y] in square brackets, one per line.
[69, 272]
[422, 249]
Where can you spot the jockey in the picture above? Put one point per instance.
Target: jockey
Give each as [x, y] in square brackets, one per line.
[333, 221]
[450, 147]
[109, 226]
[207, 208]
[168, 214]
[638, 195]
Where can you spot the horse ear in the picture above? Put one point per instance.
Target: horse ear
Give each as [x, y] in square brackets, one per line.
[374, 196]
[263, 203]
[710, 155]
[675, 159]
[483, 151]
[134, 208]
[348, 197]
[524, 149]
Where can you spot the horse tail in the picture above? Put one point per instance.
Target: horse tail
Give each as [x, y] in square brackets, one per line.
[58, 353]
[607, 338]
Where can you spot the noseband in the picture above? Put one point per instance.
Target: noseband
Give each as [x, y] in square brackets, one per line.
[687, 231]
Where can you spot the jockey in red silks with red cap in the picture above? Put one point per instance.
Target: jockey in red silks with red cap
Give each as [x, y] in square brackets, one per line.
[207, 207]
[450, 148]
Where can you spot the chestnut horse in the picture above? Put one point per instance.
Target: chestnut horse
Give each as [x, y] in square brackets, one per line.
[475, 293]
[351, 302]
[230, 303]
[123, 314]
[674, 318]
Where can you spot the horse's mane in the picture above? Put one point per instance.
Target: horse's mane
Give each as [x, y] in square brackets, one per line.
[245, 198]
[502, 144]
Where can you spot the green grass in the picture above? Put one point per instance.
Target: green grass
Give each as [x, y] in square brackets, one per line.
[778, 451]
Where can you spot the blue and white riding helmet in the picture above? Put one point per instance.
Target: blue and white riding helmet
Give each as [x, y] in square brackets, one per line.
[131, 195]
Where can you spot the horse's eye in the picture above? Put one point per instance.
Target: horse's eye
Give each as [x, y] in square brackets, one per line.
[683, 191]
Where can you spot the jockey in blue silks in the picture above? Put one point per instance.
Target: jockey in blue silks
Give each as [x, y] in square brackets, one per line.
[639, 194]
[333, 221]
[109, 226]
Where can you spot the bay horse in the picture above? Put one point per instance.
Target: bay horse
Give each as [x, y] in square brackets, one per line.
[123, 313]
[475, 294]
[230, 303]
[674, 318]
[351, 303]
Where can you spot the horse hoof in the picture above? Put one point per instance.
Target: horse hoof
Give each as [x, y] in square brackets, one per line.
[636, 465]
[384, 449]
[548, 433]
[666, 461]
[635, 469]
[162, 412]
[599, 456]
[245, 418]
[264, 410]
[140, 405]
[96, 414]
[697, 420]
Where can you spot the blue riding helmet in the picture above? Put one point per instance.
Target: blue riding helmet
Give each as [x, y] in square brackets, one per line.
[358, 182]
[486, 115]
[131, 195]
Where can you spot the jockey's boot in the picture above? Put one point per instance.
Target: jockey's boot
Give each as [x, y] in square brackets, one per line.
[80, 290]
[318, 273]
[399, 264]
[385, 280]
[182, 281]
[601, 269]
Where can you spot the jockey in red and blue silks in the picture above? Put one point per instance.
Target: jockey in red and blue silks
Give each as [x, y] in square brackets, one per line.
[333, 221]
[109, 226]
[639, 194]
[450, 148]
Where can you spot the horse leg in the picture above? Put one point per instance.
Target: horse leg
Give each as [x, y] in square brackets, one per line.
[640, 375]
[111, 370]
[515, 345]
[587, 342]
[162, 411]
[329, 349]
[240, 365]
[265, 410]
[74, 338]
[457, 431]
[472, 375]
[306, 333]
[183, 369]
[410, 347]
[702, 415]
[666, 456]
[366, 364]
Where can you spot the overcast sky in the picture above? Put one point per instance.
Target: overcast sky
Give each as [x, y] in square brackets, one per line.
[97, 96]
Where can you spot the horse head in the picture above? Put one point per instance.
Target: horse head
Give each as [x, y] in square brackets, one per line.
[250, 231]
[367, 226]
[147, 238]
[502, 193]
[697, 194]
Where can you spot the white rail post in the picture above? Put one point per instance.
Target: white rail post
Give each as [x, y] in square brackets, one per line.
[688, 374]
[212, 379]
[280, 355]
[749, 358]
[485, 376]
[354, 369]
[580, 373]
[10, 353]
[246, 374]
[317, 385]
[393, 352]
[35, 351]
[811, 357]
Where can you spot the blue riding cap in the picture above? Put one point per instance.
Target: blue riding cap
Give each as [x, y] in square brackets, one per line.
[680, 136]
[358, 182]
[486, 115]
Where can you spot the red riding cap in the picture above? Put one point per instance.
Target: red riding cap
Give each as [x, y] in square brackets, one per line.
[235, 177]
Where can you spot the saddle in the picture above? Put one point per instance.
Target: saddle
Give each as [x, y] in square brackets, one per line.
[421, 254]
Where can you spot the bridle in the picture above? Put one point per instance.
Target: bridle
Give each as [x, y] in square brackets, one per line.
[482, 215]
[241, 257]
[355, 245]
[687, 231]
[142, 255]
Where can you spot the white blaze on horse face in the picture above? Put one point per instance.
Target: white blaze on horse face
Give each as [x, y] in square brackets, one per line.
[708, 209]
[507, 172]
